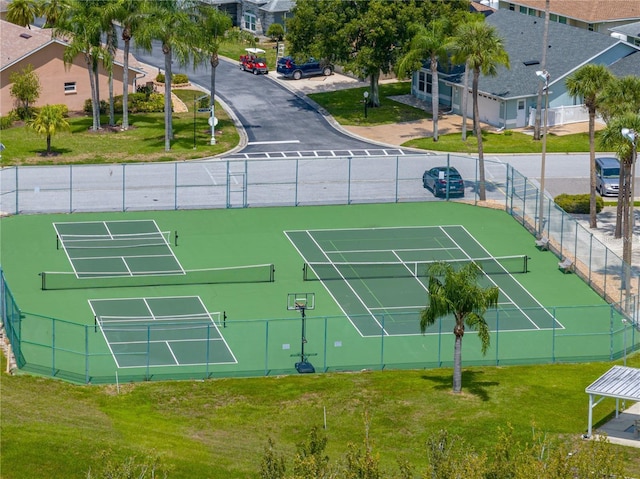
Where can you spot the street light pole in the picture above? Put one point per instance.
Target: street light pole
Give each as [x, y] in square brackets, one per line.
[630, 135]
[543, 75]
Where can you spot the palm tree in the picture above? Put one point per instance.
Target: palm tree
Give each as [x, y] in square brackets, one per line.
[22, 12]
[427, 42]
[81, 27]
[460, 295]
[53, 10]
[129, 13]
[612, 138]
[48, 121]
[479, 45]
[214, 25]
[588, 82]
[620, 96]
[172, 24]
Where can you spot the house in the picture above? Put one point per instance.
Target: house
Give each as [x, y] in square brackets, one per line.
[256, 16]
[593, 15]
[508, 100]
[60, 83]
[629, 32]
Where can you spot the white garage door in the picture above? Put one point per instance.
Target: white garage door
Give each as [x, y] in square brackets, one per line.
[489, 110]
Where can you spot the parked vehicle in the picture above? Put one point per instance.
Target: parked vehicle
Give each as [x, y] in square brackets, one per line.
[253, 61]
[436, 179]
[607, 176]
[288, 68]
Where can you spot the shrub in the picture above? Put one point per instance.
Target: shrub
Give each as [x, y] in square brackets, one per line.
[275, 32]
[88, 109]
[177, 79]
[577, 204]
[6, 122]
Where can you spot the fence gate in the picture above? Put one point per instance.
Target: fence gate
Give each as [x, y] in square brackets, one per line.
[237, 184]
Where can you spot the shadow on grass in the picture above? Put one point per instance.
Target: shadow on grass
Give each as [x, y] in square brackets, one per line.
[471, 383]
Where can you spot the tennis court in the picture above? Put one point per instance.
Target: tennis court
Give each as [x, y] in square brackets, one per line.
[117, 248]
[379, 277]
[162, 331]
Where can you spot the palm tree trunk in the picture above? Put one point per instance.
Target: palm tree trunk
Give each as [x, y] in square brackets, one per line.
[48, 144]
[593, 222]
[620, 209]
[215, 61]
[482, 194]
[112, 115]
[457, 364]
[95, 106]
[465, 96]
[435, 95]
[125, 84]
[168, 117]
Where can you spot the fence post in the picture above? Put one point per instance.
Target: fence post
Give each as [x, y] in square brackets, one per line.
[70, 188]
[87, 378]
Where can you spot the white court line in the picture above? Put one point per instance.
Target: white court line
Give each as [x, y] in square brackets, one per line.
[494, 283]
[417, 278]
[405, 250]
[175, 360]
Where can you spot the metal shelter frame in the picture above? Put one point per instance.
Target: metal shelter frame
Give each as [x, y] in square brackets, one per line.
[620, 382]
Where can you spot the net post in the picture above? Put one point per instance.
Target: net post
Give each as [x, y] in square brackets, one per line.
[526, 264]
[57, 242]
[224, 319]
[95, 323]
[43, 284]
[304, 271]
[272, 273]
[175, 238]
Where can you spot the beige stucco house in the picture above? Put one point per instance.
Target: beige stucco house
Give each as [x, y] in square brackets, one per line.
[60, 83]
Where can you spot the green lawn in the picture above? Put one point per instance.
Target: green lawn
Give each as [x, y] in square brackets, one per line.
[219, 428]
[144, 141]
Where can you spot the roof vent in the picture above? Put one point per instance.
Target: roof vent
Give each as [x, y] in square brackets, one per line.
[531, 62]
[25, 35]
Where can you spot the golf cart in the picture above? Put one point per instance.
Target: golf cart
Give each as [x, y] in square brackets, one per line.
[253, 61]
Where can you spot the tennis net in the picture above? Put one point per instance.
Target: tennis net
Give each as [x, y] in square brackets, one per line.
[134, 240]
[323, 271]
[259, 273]
[162, 323]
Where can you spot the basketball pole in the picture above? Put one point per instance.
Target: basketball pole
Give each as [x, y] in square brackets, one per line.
[304, 339]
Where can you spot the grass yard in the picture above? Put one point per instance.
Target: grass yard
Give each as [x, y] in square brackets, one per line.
[219, 428]
[143, 142]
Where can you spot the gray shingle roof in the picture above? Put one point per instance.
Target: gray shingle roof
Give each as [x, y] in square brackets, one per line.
[629, 65]
[630, 29]
[619, 382]
[568, 48]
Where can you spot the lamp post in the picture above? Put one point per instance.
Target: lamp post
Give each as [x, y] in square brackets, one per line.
[213, 121]
[630, 135]
[366, 102]
[544, 76]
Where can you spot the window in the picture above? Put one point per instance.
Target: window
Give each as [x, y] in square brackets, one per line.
[429, 80]
[512, 7]
[250, 21]
[421, 81]
[590, 27]
[70, 87]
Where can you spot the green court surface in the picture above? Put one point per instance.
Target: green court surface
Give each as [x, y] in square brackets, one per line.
[155, 329]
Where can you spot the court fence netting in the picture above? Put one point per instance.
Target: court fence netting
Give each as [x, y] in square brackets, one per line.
[78, 353]
[298, 182]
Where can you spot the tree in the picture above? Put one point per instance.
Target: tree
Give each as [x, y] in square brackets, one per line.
[130, 13]
[589, 82]
[173, 26]
[25, 89]
[612, 138]
[479, 45]
[620, 97]
[456, 292]
[214, 24]
[272, 465]
[49, 121]
[82, 28]
[22, 12]
[428, 42]
[310, 459]
[53, 11]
